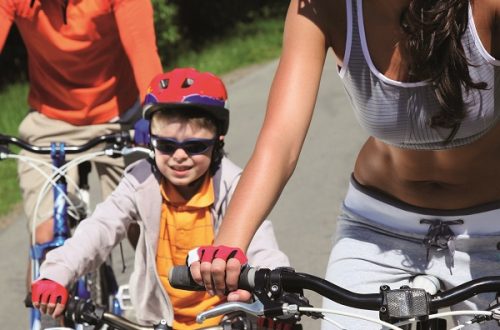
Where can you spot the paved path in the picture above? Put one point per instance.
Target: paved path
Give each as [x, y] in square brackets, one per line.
[304, 218]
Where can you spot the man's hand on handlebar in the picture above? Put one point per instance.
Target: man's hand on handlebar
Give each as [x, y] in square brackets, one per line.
[218, 268]
[49, 296]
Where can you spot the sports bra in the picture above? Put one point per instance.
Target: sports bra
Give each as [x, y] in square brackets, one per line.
[399, 113]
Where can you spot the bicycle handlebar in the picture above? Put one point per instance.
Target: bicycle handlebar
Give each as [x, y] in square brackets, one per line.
[404, 302]
[120, 139]
[252, 279]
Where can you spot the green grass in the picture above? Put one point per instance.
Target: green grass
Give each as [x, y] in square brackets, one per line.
[14, 107]
[248, 44]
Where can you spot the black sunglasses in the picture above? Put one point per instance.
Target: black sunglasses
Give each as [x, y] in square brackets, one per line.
[191, 146]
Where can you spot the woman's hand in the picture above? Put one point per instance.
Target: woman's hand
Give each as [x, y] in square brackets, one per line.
[218, 269]
[239, 295]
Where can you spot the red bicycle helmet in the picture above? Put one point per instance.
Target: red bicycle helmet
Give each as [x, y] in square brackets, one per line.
[187, 88]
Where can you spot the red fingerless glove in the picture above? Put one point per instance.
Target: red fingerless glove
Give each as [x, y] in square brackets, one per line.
[209, 253]
[48, 292]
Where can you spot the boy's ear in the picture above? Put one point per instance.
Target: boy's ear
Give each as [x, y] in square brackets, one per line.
[221, 138]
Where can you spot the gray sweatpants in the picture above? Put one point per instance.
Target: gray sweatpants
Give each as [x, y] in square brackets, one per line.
[367, 254]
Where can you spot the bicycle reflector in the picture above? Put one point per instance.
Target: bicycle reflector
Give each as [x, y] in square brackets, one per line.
[403, 303]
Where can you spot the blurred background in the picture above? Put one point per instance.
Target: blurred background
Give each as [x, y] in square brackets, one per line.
[211, 35]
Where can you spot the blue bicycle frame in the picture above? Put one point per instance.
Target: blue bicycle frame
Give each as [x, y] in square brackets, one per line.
[61, 233]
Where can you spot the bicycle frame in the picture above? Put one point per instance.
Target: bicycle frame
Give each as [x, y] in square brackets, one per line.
[60, 227]
[61, 232]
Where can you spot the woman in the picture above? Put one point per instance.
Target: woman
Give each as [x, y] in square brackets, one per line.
[424, 80]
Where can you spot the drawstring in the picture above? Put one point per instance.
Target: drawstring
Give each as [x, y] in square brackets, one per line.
[440, 235]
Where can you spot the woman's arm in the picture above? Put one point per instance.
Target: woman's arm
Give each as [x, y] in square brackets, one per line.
[290, 107]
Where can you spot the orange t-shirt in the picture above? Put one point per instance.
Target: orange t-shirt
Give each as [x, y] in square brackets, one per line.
[184, 226]
[89, 70]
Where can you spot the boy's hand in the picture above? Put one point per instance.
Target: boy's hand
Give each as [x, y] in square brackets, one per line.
[217, 268]
[49, 296]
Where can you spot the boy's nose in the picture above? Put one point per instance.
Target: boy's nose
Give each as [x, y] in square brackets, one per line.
[179, 154]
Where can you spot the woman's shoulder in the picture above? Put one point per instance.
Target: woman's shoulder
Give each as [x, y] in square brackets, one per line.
[329, 16]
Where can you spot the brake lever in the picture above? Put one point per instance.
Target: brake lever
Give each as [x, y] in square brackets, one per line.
[256, 308]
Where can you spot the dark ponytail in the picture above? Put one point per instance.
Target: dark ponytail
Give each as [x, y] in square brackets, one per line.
[432, 44]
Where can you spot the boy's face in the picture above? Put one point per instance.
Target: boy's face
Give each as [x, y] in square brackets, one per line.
[179, 167]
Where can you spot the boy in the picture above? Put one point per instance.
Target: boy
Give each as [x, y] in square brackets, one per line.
[178, 199]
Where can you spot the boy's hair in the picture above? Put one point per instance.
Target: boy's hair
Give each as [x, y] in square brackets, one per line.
[199, 119]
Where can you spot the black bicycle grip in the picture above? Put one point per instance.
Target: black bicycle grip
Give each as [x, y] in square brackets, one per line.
[180, 278]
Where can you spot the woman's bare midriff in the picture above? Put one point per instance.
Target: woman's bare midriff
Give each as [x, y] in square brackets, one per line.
[442, 179]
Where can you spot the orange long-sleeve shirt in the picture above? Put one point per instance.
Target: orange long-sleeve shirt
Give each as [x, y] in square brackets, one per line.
[91, 69]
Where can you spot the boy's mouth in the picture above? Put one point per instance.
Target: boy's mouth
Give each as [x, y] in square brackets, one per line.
[180, 169]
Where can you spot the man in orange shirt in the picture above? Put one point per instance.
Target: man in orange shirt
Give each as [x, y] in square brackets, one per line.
[87, 60]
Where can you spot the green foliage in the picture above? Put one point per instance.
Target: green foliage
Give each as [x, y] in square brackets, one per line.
[248, 44]
[184, 26]
[167, 32]
[13, 101]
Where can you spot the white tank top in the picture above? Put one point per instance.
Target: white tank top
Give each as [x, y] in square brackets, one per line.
[399, 113]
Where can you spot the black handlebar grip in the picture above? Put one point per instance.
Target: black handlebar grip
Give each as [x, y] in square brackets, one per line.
[247, 278]
[180, 278]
